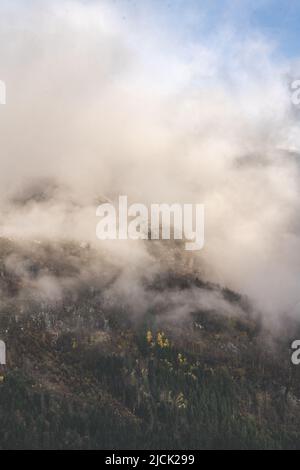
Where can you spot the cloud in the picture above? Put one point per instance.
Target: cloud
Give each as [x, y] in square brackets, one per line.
[98, 106]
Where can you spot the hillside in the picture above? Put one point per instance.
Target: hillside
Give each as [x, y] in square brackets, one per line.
[85, 372]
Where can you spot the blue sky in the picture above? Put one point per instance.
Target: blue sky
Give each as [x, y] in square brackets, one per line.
[276, 20]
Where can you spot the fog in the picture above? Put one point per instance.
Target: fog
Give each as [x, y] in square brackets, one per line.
[102, 103]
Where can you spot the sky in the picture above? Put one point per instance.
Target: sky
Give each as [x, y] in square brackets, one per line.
[163, 101]
[276, 20]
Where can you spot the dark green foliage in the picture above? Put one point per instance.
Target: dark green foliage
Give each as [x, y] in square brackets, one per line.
[84, 373]
[153, 397]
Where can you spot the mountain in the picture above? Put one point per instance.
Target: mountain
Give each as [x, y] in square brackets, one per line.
[86, 370]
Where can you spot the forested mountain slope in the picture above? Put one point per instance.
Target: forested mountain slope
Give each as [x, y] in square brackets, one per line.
[85, 372]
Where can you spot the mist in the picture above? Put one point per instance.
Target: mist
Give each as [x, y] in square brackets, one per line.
[100, 104]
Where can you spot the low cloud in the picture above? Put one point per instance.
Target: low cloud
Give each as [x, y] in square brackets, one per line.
[97, 107]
